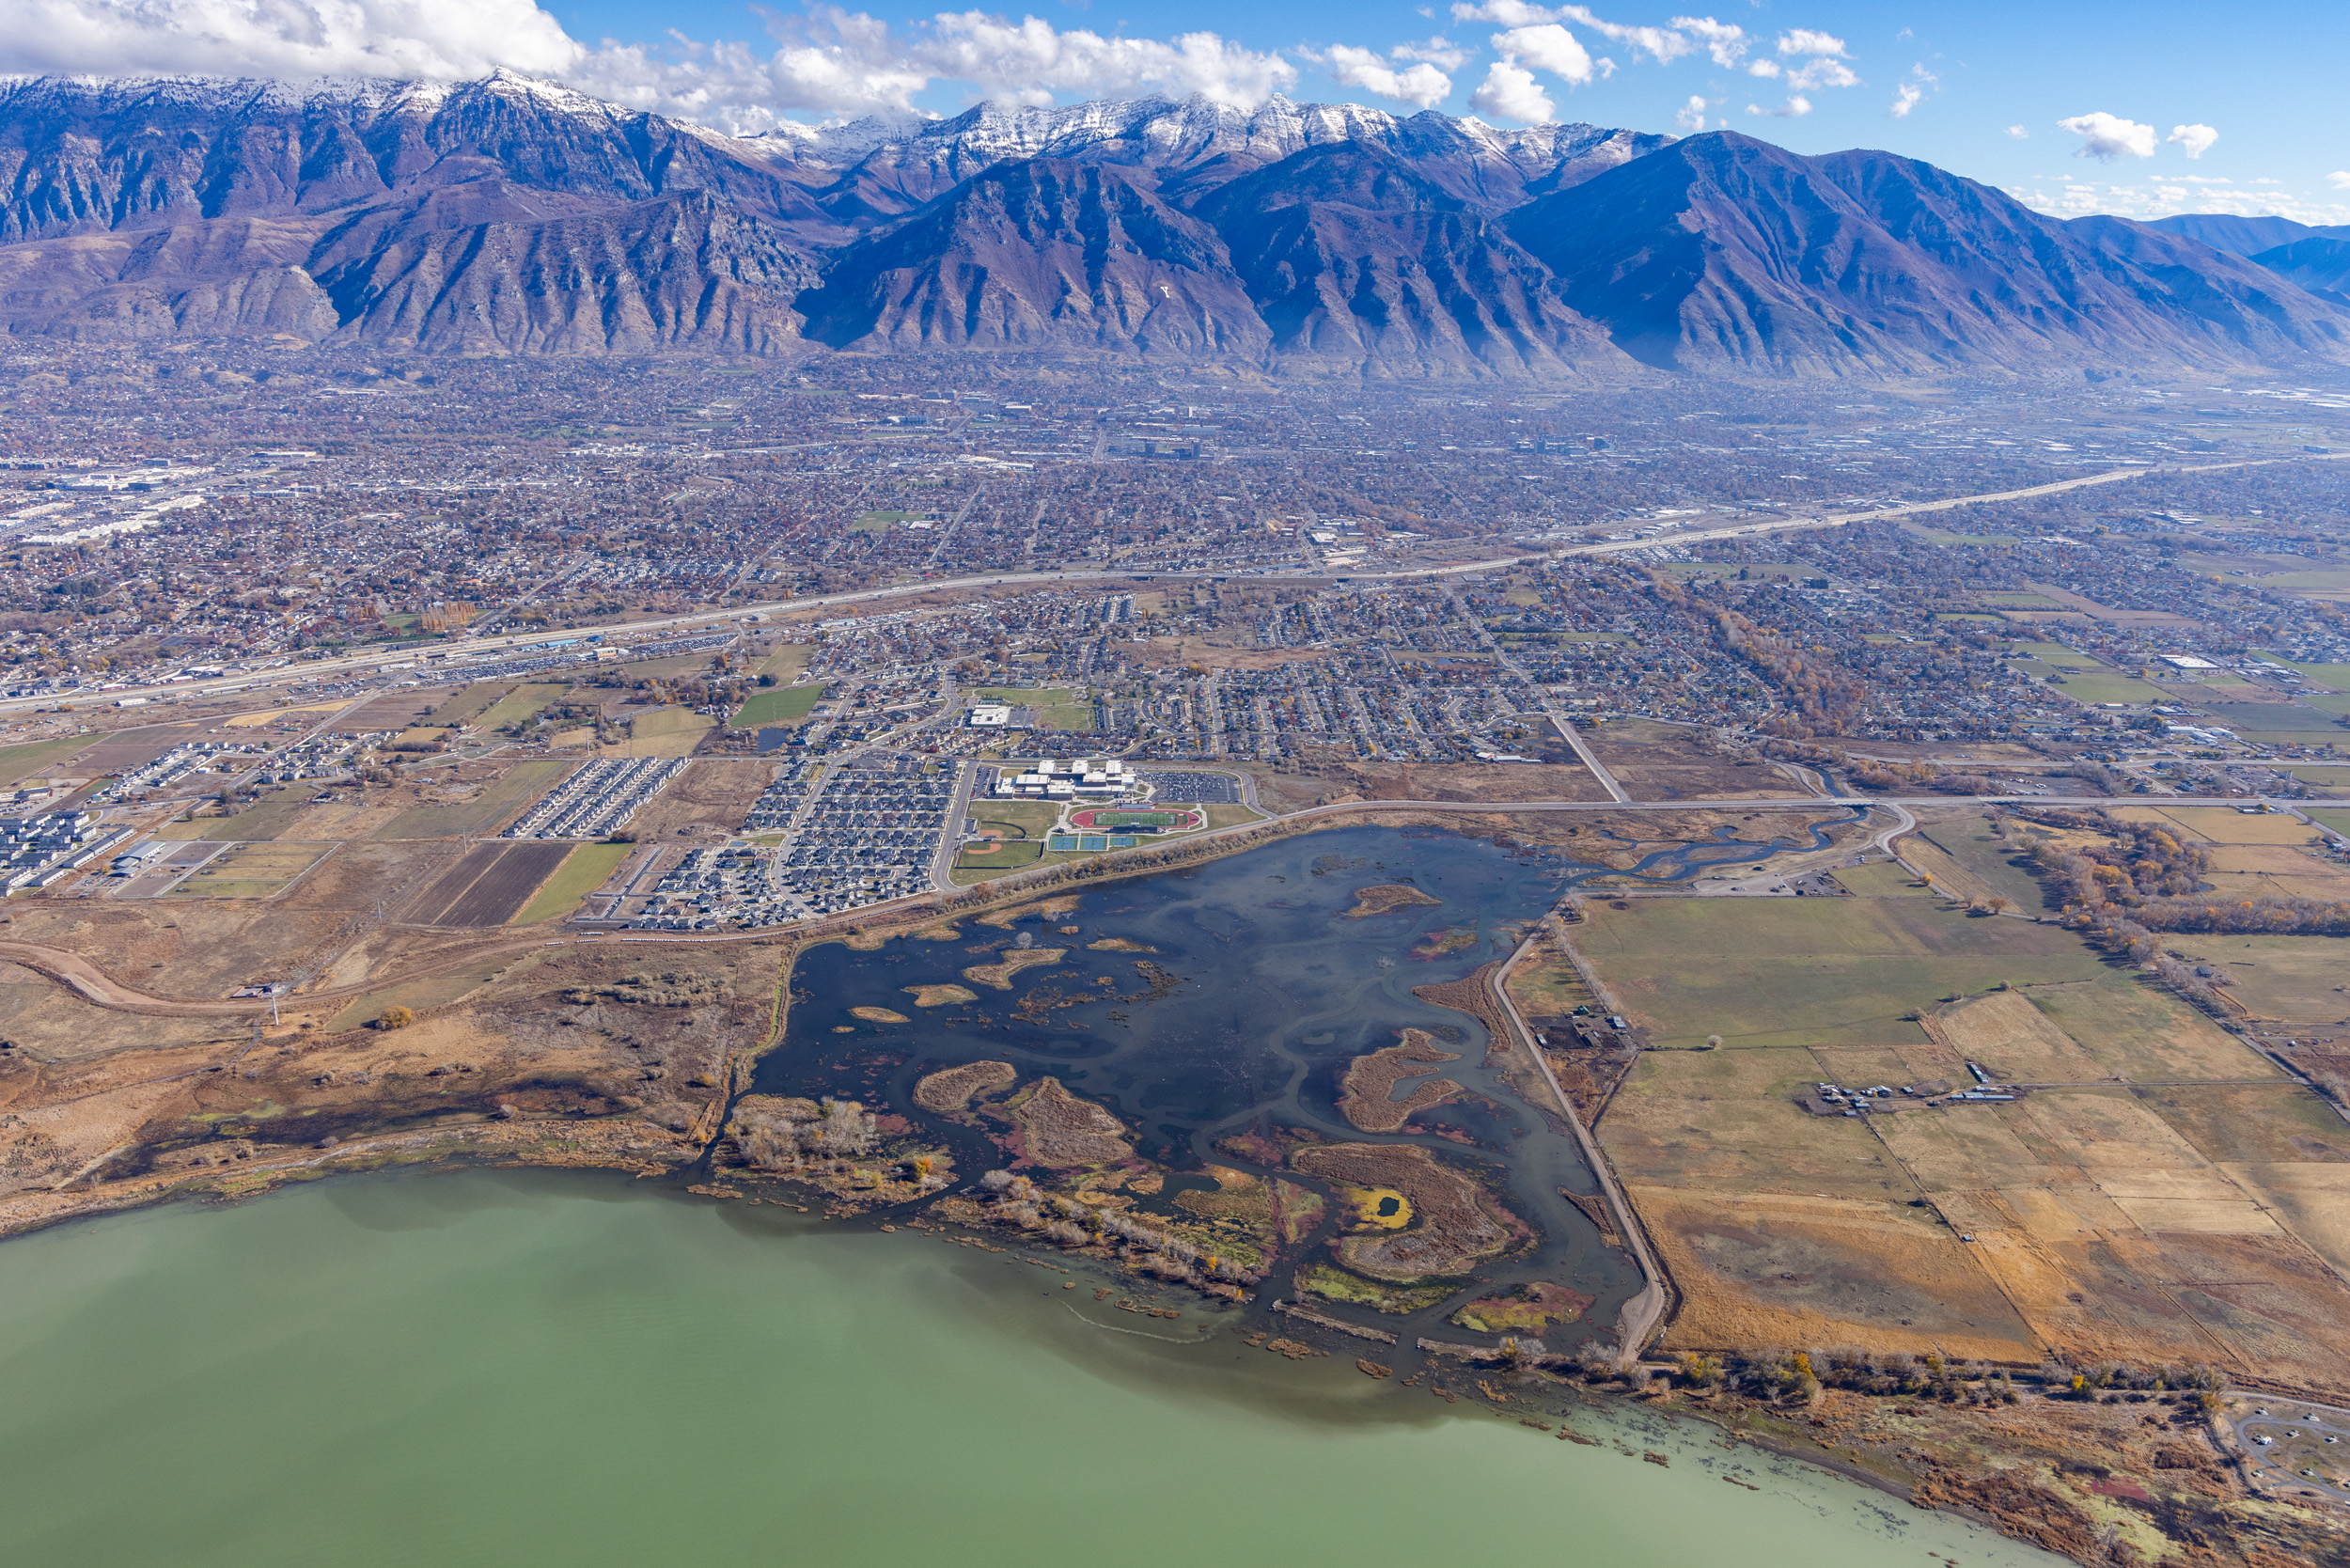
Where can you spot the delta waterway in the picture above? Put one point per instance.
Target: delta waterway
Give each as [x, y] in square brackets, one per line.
[554, 1368]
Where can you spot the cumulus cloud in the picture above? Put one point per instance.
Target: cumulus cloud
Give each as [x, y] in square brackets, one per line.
[2195, 139]
[1803, 41]
[2338, 180]
[1725, 44]
[1511, 92]
[1690, 116]
[442, 39]
[1423, 86]
[830, 60]
[2019, 132]
[1547, 47]
[2107, 137]
[1795, 107]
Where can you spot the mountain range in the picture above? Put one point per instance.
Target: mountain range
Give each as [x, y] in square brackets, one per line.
[510, 215]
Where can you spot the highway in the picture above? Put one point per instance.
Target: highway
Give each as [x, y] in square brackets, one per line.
[358, 665]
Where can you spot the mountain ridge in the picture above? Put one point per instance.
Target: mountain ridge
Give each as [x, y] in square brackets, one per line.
[514, 215]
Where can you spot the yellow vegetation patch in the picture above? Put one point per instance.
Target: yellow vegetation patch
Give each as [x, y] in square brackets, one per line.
[941, 996]
[1383, 1207]
[879, 1015]
[271, 716]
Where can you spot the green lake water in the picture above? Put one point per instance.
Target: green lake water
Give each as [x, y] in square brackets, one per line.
[517, 1369]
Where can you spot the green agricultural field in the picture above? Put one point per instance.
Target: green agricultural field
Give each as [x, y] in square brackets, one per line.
[519, 706]
[2318, 776]
[262, 821]
[2335, 817]
[774, 705]
[583, 870]
[18, 763]
[2057, 654]
[2298, 980]
[2089, 687]
[1792, 972]
[2334, 675]
[1987, 858]
[487, 811]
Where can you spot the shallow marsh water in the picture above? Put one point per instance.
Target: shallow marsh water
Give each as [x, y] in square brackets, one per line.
[1265, 992]
[554, 1368]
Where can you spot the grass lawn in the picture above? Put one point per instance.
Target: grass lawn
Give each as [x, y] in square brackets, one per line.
[878, 522]
[486, 813]
[583, 870]
[1232, 814]
[777, 705]
[1058, 707]
[2335, 817]
[518, 705]
[2322, 775]
[786, 663]
[1019, 819]
[2091, 688]
[1787, 972]
[1882, 879]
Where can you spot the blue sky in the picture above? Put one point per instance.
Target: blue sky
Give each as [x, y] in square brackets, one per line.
[2077, 105]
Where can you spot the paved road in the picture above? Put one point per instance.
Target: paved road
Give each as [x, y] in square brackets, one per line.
[1641, 1313]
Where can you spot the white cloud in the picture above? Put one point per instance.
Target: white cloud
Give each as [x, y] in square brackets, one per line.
[1795, 107]
[2338, 180]
[1422, 86]
[2019, 132]
[1690, 116]
[2195, 139]
[829, 60]
[1803, 41]
[1727, 44]
[1510, 92]
[1547, 47]
[1722, 41]
[1913, 92]
[442, 39]
[2107, 137]
[1763, 68]
[1439, 52]
[2168, 197]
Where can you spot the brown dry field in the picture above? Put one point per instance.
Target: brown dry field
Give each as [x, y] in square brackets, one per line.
[488, 884]
[392, 711]
[1670, 761]
[1470, 781]
[710, 799]
[2173, 1198]
[1163, 653]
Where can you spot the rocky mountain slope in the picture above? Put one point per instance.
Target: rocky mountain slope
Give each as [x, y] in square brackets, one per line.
[510, 215]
